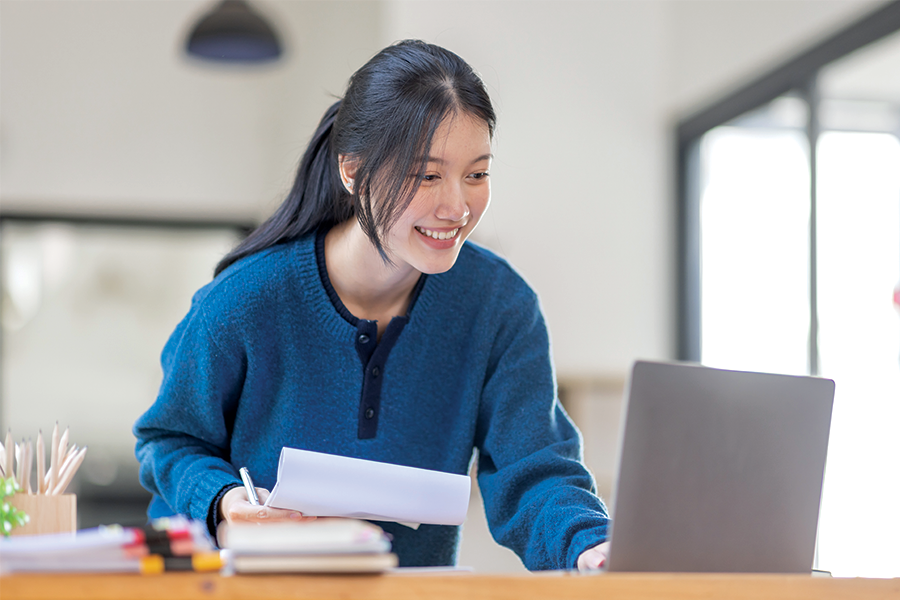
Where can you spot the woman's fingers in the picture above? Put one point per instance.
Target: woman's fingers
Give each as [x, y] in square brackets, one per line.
[244, 511]
[235, 506]
[593, 558]
[279, 513]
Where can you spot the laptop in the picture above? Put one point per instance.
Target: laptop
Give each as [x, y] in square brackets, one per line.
[719, 471]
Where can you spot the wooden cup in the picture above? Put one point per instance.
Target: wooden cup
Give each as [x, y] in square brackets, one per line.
[47, 514]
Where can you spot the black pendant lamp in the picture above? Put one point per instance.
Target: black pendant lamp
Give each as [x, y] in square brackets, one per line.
[234, 32]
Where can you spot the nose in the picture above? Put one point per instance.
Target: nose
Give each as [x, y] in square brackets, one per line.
[452, 204]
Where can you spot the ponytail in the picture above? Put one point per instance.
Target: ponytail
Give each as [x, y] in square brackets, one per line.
[316, 198]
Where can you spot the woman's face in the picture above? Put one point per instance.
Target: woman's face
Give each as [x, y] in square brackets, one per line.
[454, 193]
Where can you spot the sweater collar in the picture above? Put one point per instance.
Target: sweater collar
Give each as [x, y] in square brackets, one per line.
[333, 295]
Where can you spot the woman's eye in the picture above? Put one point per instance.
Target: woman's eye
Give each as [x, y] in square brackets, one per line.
[482, 175]
[430, 177]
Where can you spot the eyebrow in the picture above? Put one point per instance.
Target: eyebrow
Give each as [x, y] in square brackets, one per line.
[440, 161]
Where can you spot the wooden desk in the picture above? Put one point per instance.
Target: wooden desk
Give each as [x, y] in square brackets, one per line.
[462, 586]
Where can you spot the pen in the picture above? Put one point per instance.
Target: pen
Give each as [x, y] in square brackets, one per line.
[199, 561]
[248, 484]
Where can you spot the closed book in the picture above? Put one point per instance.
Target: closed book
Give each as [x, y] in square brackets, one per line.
[322, 536]
[303, 563]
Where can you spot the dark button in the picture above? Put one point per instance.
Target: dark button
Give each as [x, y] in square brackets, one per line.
[363, 339]
[370, 412]
[375, 371]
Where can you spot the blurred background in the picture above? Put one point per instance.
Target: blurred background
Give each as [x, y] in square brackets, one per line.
[710, 180]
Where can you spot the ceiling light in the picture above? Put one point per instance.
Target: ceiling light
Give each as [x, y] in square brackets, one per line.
[234, 32]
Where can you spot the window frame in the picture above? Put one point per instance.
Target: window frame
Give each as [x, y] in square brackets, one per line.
[800, 76]
[243, 228]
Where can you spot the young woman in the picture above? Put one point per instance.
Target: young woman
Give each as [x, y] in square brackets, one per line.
[356, 321]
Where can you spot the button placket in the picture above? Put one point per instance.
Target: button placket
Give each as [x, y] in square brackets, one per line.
[373, 353]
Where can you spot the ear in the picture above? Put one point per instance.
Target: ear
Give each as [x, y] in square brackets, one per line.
[347, 168]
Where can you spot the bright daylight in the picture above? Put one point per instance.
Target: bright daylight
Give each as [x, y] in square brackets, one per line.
[755, 249]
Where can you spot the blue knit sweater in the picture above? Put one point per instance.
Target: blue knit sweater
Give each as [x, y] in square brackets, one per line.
[268, 357]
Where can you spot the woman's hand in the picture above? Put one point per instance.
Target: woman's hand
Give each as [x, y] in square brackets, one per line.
[593, 558]
[235, 506]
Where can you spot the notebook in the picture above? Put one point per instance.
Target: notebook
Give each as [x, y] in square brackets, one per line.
[323, 546]
[719, 471]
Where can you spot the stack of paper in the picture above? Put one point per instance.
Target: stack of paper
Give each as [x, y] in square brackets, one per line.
[172, 544]
[326, 485]
[320, 546]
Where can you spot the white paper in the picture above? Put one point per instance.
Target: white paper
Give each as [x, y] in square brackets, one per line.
[325, 485]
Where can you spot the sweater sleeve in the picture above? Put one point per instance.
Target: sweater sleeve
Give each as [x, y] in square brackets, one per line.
[539, 498]
[183, 440]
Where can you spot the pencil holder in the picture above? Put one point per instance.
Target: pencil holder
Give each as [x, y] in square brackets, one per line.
[46, 513]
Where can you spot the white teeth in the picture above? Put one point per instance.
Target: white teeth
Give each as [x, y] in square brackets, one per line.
[438, 235]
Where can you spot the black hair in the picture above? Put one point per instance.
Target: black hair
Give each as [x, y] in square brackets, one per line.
[385, 123]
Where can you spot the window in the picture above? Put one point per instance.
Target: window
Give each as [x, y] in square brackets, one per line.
[790, 261]
[86, 308]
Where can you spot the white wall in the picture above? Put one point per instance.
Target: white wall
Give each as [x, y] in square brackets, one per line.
[716, 46]
[580, 201]
[100, 111]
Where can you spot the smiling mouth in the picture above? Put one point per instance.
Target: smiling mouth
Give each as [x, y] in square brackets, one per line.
[438, 235]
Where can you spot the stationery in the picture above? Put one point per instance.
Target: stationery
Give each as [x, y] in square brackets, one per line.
[326, 485]
[248, 485]
[47, 508]
[64, 462]
[171, 544]
[321, 546]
